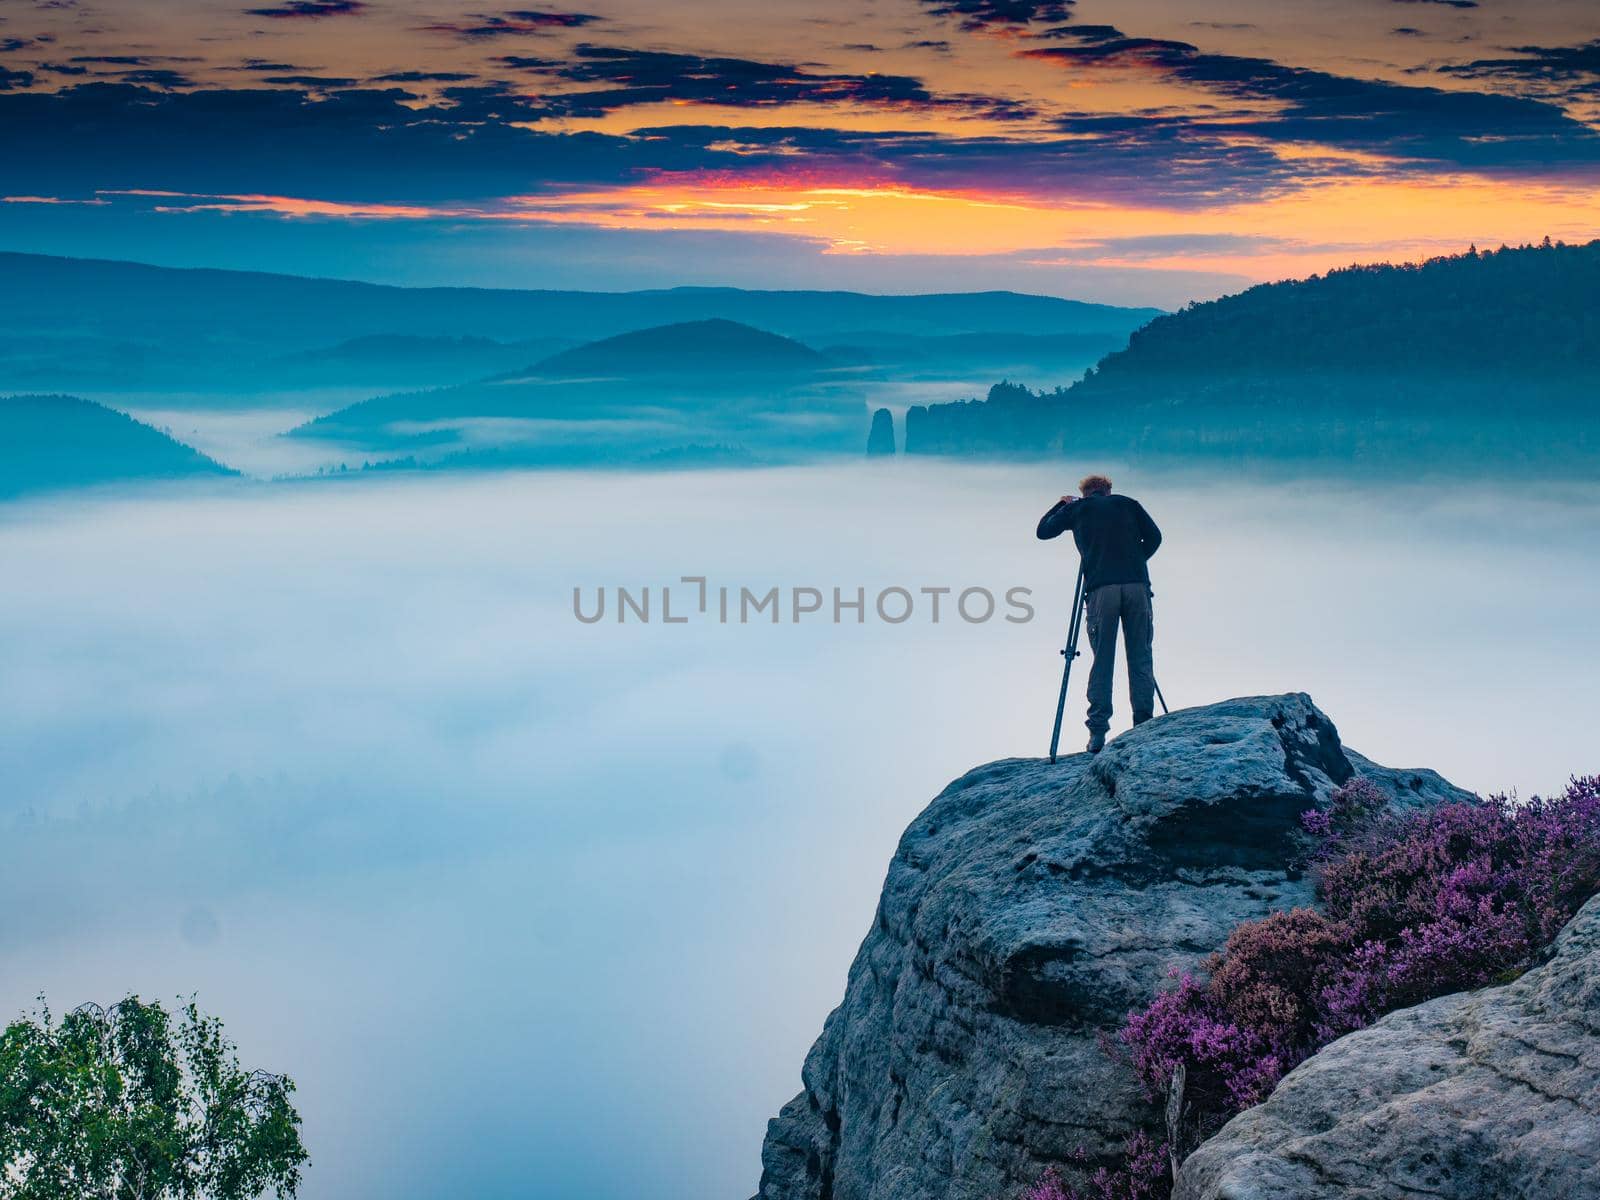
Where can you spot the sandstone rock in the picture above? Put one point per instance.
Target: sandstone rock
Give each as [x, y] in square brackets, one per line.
[1487, 1095]
[880, 439]
[1025, 912]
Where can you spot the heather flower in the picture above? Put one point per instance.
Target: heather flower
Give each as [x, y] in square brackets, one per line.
[1352, 808]
[1264, 978]
[1356, 995]
[1318, 822]
[1413, 907]
[1143, 1174]
[1392, 878]
[1048, 1186]
[1560, 845]
[1183, 1026]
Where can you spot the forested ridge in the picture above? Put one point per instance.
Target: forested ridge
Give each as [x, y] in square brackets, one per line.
[1449, 356]
[1533, 308]
[61, 441]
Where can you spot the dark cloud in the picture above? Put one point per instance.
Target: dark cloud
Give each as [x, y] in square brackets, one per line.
[635, 77]
[477, 143]
[978, 15]
[124, 60]
[310, 81]
[10, 79]
[1407, 31]
[1558, 69]
[1444, 3]
[63, 69]
[309, 10]
[493, 103]
[160, 77]
[423, 77]
[1465, 129]
[262, 65]
[1111, 160]
[528, 62]
[368, 145]
[520, 23]
[346, 146]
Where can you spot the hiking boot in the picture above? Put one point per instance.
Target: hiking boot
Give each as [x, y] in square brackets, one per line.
[1141, 718]
[1097, 743]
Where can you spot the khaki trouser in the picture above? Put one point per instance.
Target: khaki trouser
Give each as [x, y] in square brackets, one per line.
[1129, 605]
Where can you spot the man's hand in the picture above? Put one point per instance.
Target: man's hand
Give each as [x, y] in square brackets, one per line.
[1069, 499]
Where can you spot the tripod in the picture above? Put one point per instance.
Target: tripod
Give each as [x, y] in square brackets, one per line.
[1080, 600]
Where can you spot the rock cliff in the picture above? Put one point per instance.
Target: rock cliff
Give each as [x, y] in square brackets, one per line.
[1025, 911]
[1494, 1093]
[880, 438]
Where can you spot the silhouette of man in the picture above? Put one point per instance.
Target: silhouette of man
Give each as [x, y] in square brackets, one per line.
[1116, 538]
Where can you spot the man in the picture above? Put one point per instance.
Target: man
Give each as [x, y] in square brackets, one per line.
[1116, 537]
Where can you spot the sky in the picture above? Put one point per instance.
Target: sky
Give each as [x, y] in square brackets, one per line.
[1136, 151]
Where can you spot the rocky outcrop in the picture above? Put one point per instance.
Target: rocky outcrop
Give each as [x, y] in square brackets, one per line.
[1026, 910]
[1494, 1093]
[880, 439]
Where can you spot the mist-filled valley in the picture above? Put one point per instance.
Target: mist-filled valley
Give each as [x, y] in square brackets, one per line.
[334, 375]
[1460, 364]
[504, 890]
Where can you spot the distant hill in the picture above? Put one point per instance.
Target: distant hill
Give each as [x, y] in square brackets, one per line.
[52, 442]
[695, 350]
[398, 359]
[380, 347]
[1038, 354]
[129, 325]
[649, 391]
[136, 298]
[1460, 354]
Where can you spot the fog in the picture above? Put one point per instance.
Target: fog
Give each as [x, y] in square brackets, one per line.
[533, 907]
[246, 431]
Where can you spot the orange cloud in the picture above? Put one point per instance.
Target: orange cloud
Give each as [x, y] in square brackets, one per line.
[293, 206]
[1308, 231]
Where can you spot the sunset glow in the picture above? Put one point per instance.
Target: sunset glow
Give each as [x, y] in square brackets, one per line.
[1127, 143]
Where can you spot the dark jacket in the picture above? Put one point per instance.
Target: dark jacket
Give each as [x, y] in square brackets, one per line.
[1115, 536]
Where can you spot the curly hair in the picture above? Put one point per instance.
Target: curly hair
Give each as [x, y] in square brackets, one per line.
[1094, 485]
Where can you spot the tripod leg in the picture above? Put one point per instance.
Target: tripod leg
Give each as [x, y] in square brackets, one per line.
[1070, 653]
[1163, 699]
